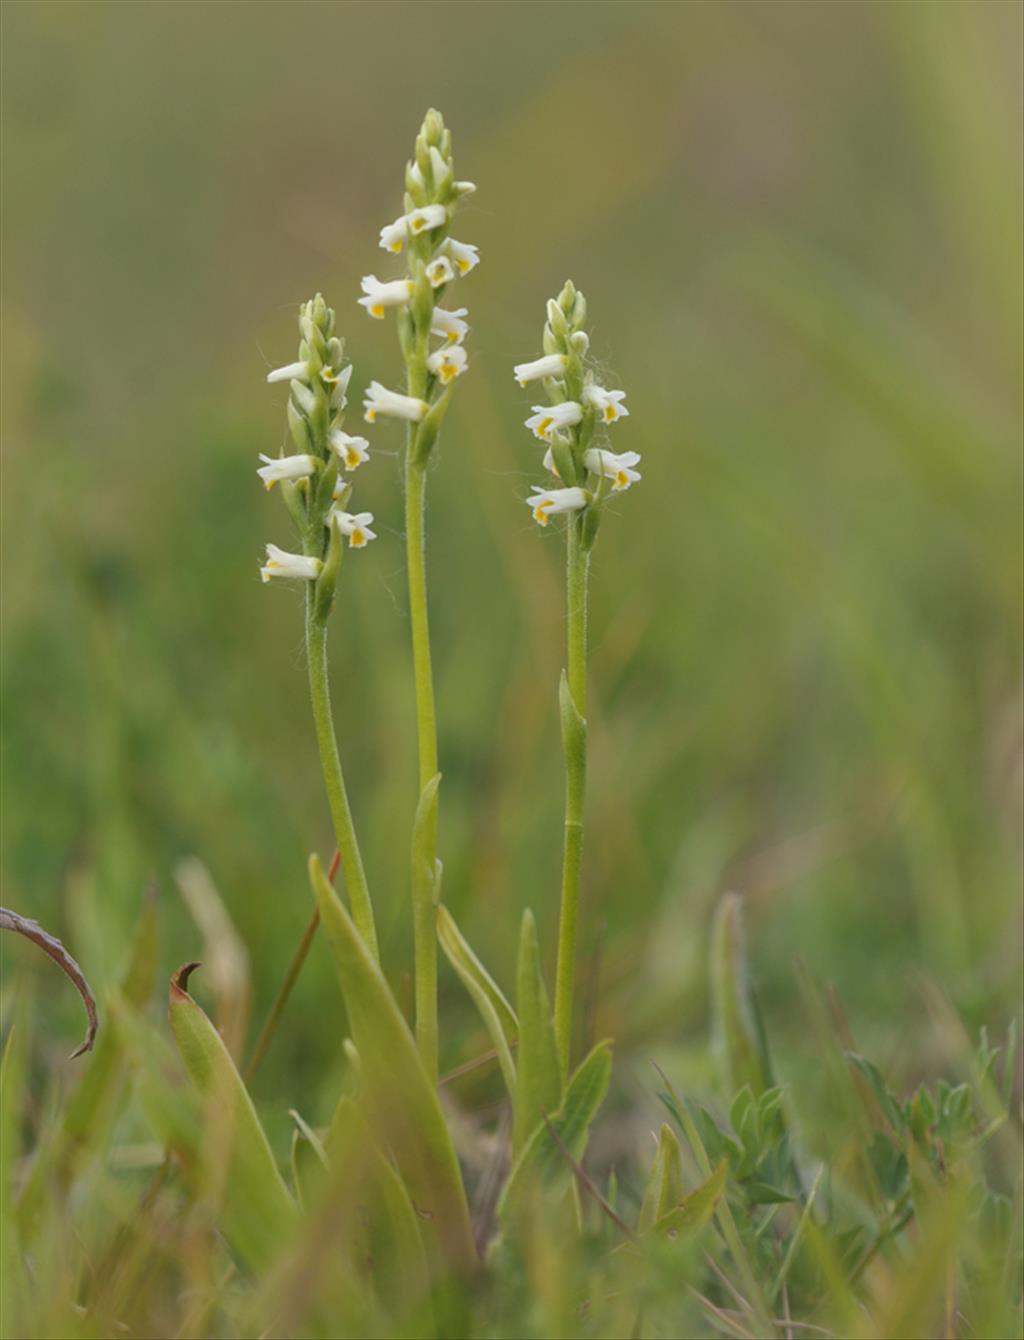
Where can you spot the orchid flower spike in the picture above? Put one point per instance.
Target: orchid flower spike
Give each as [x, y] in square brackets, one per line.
[433, 260]
[319, 382]
[579, 405]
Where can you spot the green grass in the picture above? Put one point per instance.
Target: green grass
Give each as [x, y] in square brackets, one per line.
[798, 229]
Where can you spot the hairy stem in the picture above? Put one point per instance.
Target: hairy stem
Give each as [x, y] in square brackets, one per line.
[334, 782]
[577, 569]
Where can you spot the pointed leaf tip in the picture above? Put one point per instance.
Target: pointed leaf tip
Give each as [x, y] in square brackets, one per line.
[179, 980]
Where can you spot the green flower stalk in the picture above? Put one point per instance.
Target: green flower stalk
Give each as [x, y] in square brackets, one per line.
[316, 491]
[431, 339]
[580, 409]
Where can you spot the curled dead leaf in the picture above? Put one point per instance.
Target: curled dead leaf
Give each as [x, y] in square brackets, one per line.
[49, 944]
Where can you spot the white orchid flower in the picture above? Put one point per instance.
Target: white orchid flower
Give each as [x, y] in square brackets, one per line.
[290, 372]
[548, 419]
[393, 236]
[607, 403]
[276, 468]
[449, 325]
[439, 271]
[551, 365]
[463, 255]
[423, 220]
[380, 295]
[355, 526]
[379, 400]
[616, 467]
[282, 564]
[547, 503]
[351, 451]
[448, 362]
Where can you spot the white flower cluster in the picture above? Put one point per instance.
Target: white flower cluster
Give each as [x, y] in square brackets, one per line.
[579, 405]
[316, 489]
[435, 259]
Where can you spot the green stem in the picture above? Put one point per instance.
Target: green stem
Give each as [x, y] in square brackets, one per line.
[423, 883]
[334, 782]
[577, 569]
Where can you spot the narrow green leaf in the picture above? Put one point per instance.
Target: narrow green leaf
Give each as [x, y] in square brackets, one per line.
[309, 1161]
[256, 1208]
[402, 1105]
[389, 1231]
[695, 1209]
[538, 1084]
[541, 1160]
[741, 1041]
[426, 434]
[497, 1014]
[763, 1193]
[664, 1188]
[879, 1089]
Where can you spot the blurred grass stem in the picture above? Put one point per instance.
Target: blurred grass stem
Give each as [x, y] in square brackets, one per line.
[577, 572]
[334, 781]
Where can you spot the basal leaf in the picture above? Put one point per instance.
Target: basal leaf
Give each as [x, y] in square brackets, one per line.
[256, 1208]
[695, 1209]
[401, 1104]
[542, 1160]
[664, 1188]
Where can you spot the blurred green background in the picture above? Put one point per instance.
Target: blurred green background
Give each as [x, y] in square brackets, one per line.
[798, 228]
